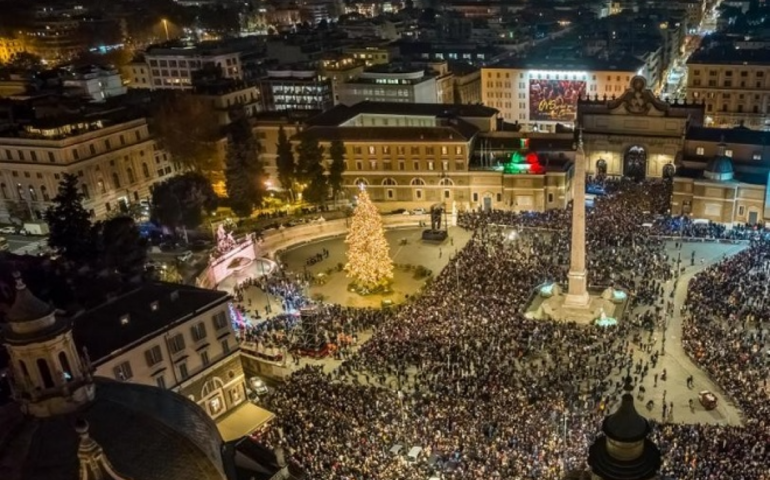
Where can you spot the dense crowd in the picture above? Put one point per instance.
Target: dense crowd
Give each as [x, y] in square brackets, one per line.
[488, 393]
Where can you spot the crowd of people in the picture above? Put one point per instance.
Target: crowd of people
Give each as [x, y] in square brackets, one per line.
[488, 393]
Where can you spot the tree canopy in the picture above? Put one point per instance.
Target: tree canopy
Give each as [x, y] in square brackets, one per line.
[69, 223]
[310, 169]
[337, 167]
[287, 167]
[244, 172]
[120, 246]
[181, 200]
[187, 128]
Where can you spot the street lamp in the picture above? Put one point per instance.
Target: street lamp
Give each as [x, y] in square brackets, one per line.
[165, 27]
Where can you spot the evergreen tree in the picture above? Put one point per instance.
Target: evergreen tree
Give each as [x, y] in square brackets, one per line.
[181, 200]
[69, 223]
[337, 167]
[121, 248]
[369, 263]
[287, 167]
[310, 170]
[244, 174]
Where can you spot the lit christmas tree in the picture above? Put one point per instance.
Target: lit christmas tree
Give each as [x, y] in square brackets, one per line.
[369, 263]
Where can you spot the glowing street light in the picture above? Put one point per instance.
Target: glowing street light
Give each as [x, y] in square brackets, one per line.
[165, 27]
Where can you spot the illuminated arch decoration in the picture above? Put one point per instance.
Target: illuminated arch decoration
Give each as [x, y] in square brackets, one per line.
[524, 164]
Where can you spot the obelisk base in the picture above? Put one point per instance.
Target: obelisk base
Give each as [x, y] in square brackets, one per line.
[577, 300]
[577, 293]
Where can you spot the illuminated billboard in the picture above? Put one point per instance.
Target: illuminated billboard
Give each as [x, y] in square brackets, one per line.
[554, 100]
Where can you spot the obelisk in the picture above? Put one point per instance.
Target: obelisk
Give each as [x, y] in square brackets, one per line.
[577, 292]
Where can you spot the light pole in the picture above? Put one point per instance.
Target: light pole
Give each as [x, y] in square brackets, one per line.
[165, 27]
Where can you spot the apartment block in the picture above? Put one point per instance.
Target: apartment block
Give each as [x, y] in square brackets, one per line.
[111, 152]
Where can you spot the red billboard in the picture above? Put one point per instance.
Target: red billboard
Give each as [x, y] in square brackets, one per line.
[554, 100]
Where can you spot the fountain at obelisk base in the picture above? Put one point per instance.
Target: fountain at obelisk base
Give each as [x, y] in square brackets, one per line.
[579, 303]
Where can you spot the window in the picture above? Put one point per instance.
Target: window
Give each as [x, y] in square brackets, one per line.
[225, 347]
[475, 197]
[458, 150]
[33, 154]
[4, 191]
[123, 371]
[372, 150]
[416, 165]
[145, 170]
[198, 332]
[220, 321]
[153, 356]
[430, 166]
[205, 358]
[444, 150]
[729, 153]
[84, 191]
[389, 193]
[130, 174]
[550, 198]
[51, 158]
[176, 343]
[183, 373]
[44, 193]
[741, 210]
[160, 381]
[756, 156]
[500, 195]
[699, 151]
[116, 180]
[92, 148]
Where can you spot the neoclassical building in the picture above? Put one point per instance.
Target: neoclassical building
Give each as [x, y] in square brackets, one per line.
[636, 134]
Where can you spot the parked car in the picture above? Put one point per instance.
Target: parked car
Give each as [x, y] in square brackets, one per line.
[185, 256]
[707, 399]
[258, 385]
[200, 245]
[8, 230]
[419, 211]
[399, 211]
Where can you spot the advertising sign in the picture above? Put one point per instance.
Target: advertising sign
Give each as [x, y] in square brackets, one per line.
[554, 100]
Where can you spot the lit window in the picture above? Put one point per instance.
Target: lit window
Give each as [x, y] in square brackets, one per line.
[699, 151]
[729, 153]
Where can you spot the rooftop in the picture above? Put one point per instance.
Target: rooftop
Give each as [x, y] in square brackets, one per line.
[147, 310]
[621, 64]
[342, 113]
[146, 432]
[727, 54]
[736, 136]
[208, 48]
[390, 134]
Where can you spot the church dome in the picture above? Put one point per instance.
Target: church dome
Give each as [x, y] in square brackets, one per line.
[719, 168]
[147, 433]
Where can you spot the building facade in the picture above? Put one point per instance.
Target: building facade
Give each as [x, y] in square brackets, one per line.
[113, 155]
[733, 83]
[540, 95]
[723, 176]
[10, 46]
[97, 83]
[172, 66]
[403, 83]
[635, 135]
[171, 336]
[417, 155]
[296, 87]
